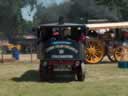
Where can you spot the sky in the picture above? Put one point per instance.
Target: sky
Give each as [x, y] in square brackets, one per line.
[28, 15]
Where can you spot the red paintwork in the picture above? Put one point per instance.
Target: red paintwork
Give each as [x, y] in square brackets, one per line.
[61, 62]
[125, 34]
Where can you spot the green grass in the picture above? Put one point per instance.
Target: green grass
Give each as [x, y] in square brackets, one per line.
[101, 80]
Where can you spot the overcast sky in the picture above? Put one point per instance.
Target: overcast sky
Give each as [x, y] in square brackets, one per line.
[29, 15]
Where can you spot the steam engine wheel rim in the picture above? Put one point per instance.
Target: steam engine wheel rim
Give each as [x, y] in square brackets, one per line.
[94, 51]
[118, 53]
[110, 55]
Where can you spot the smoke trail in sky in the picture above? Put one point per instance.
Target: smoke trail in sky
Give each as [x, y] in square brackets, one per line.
[28, 14]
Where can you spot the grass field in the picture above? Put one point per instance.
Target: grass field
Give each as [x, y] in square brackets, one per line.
[101, 80]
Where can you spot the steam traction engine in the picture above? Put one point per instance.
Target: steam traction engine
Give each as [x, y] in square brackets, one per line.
[105, 39]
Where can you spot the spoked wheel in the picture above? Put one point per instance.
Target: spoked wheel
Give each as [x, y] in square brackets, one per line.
[110, 54]
[118, 52]
[94, 51]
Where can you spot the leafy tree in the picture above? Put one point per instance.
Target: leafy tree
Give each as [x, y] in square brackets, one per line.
[10, 15]
[118, 7]
[82, 10]
[50, 13]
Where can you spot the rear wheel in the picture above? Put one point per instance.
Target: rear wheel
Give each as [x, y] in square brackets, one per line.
[44, 72]
[110, 54]
[81, 72]
[94, 51]
[118, 52]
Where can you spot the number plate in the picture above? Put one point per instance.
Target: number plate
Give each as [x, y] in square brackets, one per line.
[62, 68]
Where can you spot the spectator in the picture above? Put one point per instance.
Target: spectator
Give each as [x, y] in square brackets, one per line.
[67, 33]
[55, 34]
[82, 38]
[15, 53]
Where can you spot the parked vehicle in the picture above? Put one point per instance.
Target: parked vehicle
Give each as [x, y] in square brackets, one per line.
[59, 49]
[108, 42]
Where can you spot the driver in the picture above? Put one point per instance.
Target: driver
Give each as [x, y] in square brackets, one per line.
[55, 34]
[67, 33]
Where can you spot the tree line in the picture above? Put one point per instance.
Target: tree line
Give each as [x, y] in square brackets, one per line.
[11, 20]
[79, 11]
